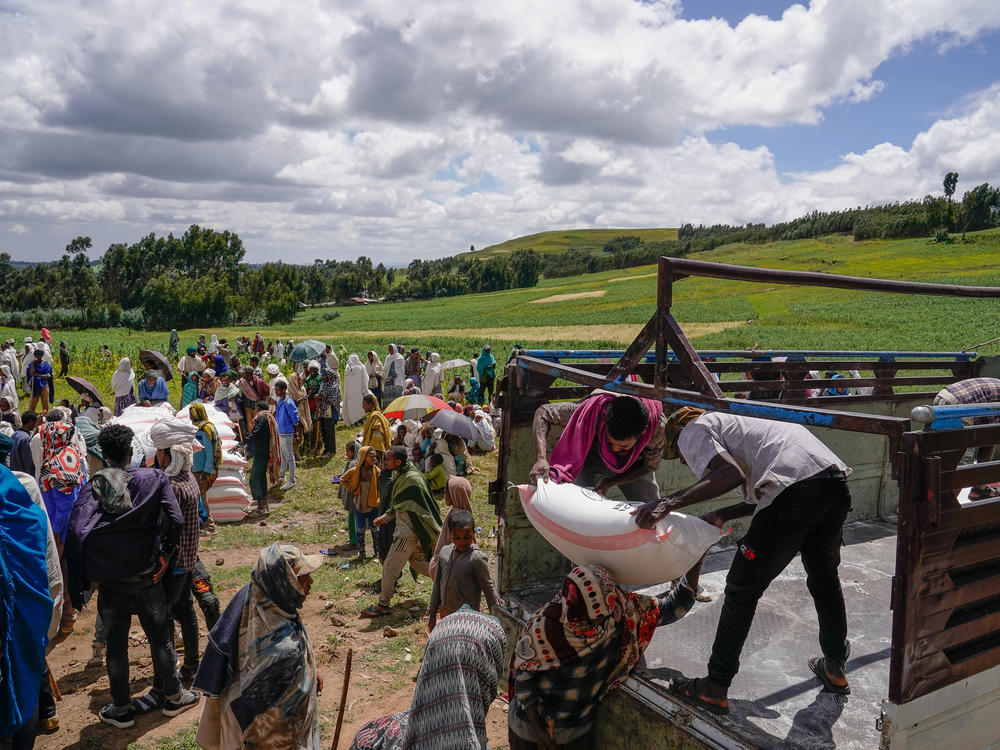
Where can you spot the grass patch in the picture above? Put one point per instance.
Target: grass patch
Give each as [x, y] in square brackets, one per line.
[183, 740]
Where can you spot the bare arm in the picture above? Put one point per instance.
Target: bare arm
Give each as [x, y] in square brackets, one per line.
[721, 477]
[545, 416]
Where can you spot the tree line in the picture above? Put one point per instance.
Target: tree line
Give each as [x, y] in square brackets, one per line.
[199, 279]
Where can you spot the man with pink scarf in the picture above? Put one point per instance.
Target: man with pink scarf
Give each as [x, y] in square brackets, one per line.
[607, 441]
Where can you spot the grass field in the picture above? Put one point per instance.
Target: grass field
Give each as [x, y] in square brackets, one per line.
[560, 240]
[607, 309]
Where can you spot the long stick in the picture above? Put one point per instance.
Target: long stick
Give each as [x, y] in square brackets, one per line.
[343, 699]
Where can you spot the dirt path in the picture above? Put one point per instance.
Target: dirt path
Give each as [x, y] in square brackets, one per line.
[378, 687]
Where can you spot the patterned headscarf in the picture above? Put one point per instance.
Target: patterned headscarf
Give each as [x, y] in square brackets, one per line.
[587, 615]
[675, 423]
[62, 465]
[199, 418]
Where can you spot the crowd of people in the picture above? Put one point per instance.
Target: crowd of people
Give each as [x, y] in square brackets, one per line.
[105, 526]
[80, 518]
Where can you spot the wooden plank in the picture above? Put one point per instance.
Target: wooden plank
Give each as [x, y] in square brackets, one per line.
[938, 594]
[935, 672]
[636, 350]
[687, 267]
[695, 368]
[863, 365]
[971, 475]
[851, 421]
[957, 635]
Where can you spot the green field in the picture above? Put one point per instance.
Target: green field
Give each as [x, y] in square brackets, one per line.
[613, 305]
[560, 240]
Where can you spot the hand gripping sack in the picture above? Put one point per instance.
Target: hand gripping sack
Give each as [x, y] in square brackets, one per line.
[590, 529]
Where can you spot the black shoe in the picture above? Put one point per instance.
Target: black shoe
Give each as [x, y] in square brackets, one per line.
[109, 715]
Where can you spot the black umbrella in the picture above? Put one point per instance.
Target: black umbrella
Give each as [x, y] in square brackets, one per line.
[454, 423]
[161, 363]
[81, 385]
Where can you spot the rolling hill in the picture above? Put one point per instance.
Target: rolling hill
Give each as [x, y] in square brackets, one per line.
[563, 239]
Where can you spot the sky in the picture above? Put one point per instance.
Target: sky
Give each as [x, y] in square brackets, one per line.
[403, 129]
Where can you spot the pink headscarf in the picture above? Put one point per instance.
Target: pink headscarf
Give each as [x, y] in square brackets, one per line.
[46, 336]
[587, 425]
[458, 494]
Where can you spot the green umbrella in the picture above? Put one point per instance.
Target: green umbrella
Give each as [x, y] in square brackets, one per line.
[306, 350]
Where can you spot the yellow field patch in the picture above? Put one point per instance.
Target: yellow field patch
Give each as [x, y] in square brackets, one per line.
[622, 334]
[629, 278]
[564, 297]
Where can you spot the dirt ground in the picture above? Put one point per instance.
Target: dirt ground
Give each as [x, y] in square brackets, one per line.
[371, 693]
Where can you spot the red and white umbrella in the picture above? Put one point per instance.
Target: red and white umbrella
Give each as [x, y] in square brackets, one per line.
[414, 407]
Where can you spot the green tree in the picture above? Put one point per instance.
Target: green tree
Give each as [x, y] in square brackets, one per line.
[524, 265]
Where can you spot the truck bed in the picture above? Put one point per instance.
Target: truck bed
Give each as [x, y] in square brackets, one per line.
[775, 701]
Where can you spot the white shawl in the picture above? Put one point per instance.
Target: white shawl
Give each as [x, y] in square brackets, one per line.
[355, 387]
[398, 376]
[123, 379]
[431, 383]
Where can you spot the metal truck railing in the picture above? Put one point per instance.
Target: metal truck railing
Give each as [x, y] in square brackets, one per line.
[946, 588]
[946, 591]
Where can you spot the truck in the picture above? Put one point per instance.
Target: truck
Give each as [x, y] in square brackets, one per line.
[920, 562]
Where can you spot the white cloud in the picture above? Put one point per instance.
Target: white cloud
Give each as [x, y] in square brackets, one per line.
[412, 128]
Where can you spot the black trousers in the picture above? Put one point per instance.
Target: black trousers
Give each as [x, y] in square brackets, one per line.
[116, 603]
[180, 605]
[204, 594]
[807, 518]
[328, 429]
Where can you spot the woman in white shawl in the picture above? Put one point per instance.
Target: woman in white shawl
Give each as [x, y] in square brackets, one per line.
[412, 435]
[486, 436]
[431, 384]
[441, 447]
[213, 345]
[394, 375]
[8, 387]
[27, 357]
[355, 387]
[123, 385]
[373, 366]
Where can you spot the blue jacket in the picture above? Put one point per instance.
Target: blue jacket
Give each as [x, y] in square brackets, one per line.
[286, 414]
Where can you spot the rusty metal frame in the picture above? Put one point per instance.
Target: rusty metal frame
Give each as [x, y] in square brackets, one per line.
[944, 629]
[946, 588]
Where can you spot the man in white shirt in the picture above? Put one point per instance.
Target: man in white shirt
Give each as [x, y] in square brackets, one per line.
[796, 489]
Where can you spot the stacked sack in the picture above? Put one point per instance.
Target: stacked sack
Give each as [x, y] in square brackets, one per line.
[228, 497]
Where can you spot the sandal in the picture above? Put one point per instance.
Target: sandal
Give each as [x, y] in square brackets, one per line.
[149, 702]
[687, 688]
[818, 667]
[376, 611]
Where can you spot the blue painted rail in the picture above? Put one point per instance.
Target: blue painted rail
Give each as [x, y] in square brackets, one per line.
[950, 417]
[556, 355]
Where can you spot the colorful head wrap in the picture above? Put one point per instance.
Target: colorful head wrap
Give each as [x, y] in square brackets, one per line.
[675, 423]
